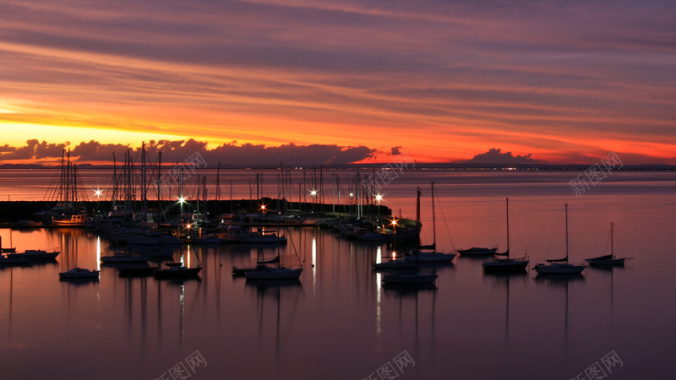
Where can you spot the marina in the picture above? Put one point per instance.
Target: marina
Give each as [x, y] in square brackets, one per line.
[184, 297]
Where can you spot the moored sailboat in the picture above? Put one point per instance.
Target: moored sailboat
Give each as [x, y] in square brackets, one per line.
[560, 266]
[177, 271]
[507, 264]
[431, 256]
[611, 259]
[263, 271]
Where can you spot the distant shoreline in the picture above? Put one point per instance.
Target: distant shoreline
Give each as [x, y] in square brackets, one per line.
[418, 166]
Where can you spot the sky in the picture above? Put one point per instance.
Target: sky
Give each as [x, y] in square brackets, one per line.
[337, 81]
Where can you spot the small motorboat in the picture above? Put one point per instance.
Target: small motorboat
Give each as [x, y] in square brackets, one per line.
[79, 273]
[34, 254]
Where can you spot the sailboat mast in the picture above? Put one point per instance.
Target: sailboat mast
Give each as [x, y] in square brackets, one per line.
[434, 221]
[507, 203]
[566, 232]
[612, 251]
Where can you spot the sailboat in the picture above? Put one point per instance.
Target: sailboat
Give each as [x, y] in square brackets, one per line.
[178, 270]
[608, 260]
[69, 194]
[262, 271]
[508, 264]
[560, 266]
[431, 256]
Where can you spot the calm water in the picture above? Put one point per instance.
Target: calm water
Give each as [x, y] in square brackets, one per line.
[337, 322]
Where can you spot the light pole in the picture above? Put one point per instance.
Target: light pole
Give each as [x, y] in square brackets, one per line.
[97, 192]
[379, 198]
[314, 199]
[181, 201]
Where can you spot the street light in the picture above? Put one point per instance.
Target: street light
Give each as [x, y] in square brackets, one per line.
[314, 199]
[379, 198]
[98, 193]
[181, 201]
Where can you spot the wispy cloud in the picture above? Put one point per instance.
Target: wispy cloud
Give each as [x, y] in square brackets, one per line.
[445, 79]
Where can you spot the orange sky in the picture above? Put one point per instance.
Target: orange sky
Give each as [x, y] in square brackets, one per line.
[442, 81]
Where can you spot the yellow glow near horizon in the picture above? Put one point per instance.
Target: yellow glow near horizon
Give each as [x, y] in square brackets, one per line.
[76, 135]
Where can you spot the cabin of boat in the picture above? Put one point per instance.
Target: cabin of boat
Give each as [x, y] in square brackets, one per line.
[478, 251]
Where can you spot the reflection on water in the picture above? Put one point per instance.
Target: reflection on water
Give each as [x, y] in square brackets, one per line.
[339, 322]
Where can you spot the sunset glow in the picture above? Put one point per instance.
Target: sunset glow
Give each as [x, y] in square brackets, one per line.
[444, 82]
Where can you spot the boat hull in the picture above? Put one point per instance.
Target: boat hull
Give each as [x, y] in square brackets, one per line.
[477, 251]
[559, 269]
[607, 261]
[77, 273]
[416, 278]
[34, 255]
[433, 257]
[506, 265]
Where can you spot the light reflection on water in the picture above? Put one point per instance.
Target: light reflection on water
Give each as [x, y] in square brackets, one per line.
[338, 322]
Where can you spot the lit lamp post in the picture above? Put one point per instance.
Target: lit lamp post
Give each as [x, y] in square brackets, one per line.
[314, 199]
[181, 201]
[378, 198]
[98, 193]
